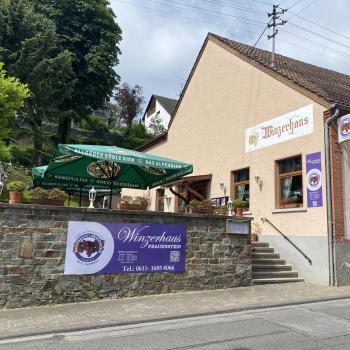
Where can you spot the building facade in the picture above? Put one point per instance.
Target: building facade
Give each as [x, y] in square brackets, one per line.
[257, 133]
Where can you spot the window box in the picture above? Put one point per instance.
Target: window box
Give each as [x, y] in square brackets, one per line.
[132, 206]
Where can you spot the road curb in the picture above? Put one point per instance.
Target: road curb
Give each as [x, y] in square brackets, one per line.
[58, 331]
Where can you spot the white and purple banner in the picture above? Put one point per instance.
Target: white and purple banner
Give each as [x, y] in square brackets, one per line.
[110, 248]
[314, 180]
[344, 128]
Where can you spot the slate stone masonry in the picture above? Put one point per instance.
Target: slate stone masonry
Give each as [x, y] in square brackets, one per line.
[32, 253]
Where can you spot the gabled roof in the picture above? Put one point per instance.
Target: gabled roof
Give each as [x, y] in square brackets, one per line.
[334, 87]
[169, 104]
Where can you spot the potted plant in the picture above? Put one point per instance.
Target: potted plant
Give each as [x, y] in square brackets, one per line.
[38, 196]
[57, 197]
[48, 197]
[239, 205]
[16, 189]
[201, 207]
[133, 203]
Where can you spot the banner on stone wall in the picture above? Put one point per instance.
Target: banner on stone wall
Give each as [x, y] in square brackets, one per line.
[314, 180]
[344, 128]
[109, 248]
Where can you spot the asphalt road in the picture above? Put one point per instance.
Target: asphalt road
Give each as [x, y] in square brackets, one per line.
[314, 326]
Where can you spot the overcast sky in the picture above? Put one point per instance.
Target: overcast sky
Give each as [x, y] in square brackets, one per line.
[161, 38]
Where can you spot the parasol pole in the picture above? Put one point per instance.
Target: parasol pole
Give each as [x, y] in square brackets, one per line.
[69, 194]
[81, 194]
[111, 192]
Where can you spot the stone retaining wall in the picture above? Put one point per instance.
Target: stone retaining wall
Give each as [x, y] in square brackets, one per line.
[32, 252]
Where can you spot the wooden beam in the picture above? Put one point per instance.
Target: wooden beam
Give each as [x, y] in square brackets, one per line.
[192, 190]
[179, 195]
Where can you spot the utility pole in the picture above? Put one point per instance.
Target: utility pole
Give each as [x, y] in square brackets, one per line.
[275, 16]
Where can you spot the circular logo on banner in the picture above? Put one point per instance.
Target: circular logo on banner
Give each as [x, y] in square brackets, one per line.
[314, 180]
[94, 247]
[345, 127]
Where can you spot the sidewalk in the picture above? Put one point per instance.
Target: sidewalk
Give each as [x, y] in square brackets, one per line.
[112, 312]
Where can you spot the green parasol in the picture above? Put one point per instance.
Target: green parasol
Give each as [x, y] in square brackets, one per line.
[113, 166]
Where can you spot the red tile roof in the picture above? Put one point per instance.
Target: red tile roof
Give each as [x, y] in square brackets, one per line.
[334, 87]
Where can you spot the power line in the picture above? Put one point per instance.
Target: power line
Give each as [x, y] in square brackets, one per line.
[252, 22]
[174, 3]
[258, 1]
[315, 42]
[243, 20]
[241, 8]
[322, 36]
[302, 10]
[296, 3]
[318, 53]
[320, 26]
[267, 26]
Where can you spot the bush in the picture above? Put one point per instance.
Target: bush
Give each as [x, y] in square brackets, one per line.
[57, 194]
[39, 193]
[16, 186]
[54, 194]
[204, 204]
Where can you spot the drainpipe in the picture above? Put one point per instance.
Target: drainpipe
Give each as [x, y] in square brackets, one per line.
[329, 197]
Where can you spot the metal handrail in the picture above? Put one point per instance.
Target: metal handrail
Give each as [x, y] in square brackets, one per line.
[287, 239]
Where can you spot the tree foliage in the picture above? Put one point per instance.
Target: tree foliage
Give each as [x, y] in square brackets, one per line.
[28, 46]
[88, 30]
[156, 126]
[129, 100]
[12, 96]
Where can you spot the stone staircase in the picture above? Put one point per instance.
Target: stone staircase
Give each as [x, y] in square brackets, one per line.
[268, 267]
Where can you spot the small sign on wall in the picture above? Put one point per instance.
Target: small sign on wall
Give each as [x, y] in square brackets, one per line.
[109, 248]
[314, 180]
[344, 128]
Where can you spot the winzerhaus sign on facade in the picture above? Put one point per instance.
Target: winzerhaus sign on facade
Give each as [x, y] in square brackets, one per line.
[283, 128]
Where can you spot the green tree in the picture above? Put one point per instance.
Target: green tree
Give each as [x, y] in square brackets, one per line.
[12, 96]
[155, 126]
[29, 48]
[88, 30]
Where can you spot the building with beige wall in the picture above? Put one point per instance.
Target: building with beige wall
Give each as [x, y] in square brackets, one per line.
[231, 95]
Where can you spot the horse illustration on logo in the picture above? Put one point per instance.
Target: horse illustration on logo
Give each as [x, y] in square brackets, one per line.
[314, 179]
[88, 247]
[345, 127]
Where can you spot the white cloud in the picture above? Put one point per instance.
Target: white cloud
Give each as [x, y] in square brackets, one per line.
[160, 46]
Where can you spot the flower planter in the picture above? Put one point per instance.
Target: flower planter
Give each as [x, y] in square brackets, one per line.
[55, 202]
[132, 206]
[15, 197]
[290, 205]
[201, 211]
[239, 212]
[253, 237]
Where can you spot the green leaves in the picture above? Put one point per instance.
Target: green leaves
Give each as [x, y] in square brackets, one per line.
[12, 96]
